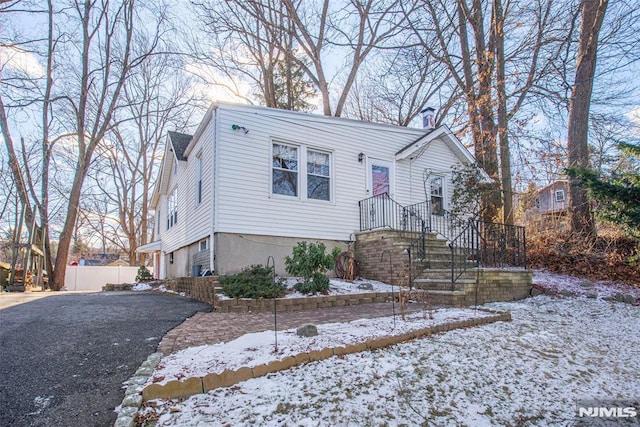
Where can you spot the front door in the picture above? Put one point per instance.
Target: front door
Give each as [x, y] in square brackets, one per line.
[380, 177]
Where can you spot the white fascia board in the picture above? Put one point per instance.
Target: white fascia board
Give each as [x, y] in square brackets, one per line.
[201, 127]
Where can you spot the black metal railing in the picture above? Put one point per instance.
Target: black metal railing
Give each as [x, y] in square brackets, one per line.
[502, 245]
[382, 211]
[417, 252]
[472, 242]
[464, 251]
[488, 244]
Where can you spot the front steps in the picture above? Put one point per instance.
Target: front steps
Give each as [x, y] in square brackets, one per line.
[382, 255]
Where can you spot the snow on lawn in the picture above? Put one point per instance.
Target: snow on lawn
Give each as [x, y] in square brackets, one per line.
[559, 283]
[258, 348]
[140, 287]
[526, 372]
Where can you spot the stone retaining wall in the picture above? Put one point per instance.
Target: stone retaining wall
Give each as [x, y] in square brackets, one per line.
[373, 249]
[499, 285]
[296, 304]
[203, 289]
[196, 385]
[200, 288]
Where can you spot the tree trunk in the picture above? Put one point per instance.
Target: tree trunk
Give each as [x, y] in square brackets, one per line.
[60, 268]
[581, 218]
[503, 131]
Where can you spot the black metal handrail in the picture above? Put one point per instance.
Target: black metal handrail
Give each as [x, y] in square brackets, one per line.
[464, 251]
[382, 211]
[417, 252]
[488, 244]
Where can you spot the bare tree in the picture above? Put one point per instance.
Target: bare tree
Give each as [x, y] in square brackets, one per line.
[398, 84]
[592, 15]
[154, 99]
[302, 34]
[493, 52]
[82, 98]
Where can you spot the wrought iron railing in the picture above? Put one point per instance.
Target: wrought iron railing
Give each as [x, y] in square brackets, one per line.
[417, 252]
[502, 245]
[472, 242]
[382, 211]
[464, 251]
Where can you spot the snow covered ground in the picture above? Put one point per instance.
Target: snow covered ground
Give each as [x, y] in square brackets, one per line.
[258, 348]
[529, 371]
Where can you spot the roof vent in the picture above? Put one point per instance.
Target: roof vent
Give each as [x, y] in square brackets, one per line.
[429, 118]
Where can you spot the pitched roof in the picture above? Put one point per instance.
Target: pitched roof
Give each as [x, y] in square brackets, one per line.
[179, 142]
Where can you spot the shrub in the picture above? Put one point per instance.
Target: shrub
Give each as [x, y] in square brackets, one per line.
[143, 274]
[252, 282]
[310, 261]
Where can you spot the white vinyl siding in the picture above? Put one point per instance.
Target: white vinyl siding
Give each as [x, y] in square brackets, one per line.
[195, 220]
[237, 175]
[436, 160]
[245, 198]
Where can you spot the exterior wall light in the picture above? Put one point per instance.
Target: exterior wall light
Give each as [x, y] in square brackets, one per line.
[360, 157]
[242, 128]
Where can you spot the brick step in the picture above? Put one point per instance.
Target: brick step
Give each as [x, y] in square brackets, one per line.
[445, 273]
[443, 265]
[442, 284]
[448, 298]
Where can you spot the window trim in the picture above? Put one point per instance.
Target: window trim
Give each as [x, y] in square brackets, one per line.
[555, 197]
[199, 178]
[302, 172]
[307, 173]
[297, 171]
[443, 187]
[172, 208]
[200, 244]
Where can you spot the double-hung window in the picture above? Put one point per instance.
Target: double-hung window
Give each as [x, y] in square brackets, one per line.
[295, 167]
[285, 170]
[172, 208]
[437, 195]
[318, 175]
[559, 196]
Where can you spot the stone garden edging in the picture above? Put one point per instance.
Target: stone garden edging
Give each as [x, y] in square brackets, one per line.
[180, 389]
[244, 305]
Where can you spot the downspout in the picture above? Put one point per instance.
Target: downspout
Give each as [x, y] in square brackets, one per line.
[214, 201]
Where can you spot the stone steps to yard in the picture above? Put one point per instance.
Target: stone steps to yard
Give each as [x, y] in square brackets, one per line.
[445, 273]
[442, 284]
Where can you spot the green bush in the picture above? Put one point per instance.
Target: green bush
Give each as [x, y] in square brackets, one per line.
[252, 282]
[310, 261]
[143, 274]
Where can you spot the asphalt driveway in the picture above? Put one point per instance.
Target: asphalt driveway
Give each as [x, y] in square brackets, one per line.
[63, 358]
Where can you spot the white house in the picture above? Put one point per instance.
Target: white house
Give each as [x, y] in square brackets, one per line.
[253, 181]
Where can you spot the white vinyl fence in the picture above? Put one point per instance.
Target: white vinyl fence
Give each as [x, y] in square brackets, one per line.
[92, 278]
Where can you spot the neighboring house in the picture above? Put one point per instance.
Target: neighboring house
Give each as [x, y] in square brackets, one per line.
[553, 200]
[253, 181]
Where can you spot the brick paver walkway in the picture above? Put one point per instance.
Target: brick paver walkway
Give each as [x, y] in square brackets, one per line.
[212, 328]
